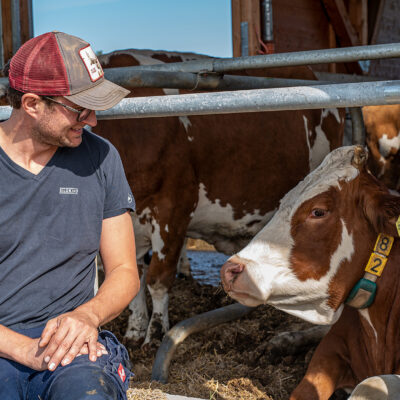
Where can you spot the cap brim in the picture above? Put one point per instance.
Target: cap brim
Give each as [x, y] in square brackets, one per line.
[100, 97]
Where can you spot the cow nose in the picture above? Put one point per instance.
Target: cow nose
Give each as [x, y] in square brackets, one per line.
[229, 272]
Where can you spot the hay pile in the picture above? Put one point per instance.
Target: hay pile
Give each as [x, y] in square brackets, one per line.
[228, 362]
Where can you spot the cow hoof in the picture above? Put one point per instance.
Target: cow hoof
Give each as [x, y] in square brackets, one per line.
[136, 335]
[383, 387]
[183, 276]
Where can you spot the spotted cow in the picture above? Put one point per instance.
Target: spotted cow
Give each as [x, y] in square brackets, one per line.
[319, 258]
[216, 177]
[382, 125]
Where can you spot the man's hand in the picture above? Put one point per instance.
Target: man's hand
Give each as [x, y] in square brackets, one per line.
[67, 336]
[34, 354]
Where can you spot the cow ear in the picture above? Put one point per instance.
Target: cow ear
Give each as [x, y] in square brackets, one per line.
[383, 213]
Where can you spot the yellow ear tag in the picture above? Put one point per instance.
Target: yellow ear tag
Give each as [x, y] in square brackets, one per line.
[398, 225]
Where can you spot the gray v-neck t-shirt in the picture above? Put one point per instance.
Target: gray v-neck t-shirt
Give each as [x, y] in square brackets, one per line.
[50, 226]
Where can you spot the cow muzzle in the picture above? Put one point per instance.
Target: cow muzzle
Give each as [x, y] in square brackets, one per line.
[237, 283]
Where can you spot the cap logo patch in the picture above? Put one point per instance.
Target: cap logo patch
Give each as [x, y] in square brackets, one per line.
[92, 64]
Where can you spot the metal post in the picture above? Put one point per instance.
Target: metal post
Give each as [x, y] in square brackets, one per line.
[16, 25]
[244, 39]
[267, 26]
[357, 122]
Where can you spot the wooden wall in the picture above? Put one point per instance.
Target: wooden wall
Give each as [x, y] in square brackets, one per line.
[22, 32]
[320, 24]
[387, 30]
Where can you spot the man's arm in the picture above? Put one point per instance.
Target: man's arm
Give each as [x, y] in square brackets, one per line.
[65, 335]
[21, 349]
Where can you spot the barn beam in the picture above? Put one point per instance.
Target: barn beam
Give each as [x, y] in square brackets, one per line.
[344, 29]
[246, 27]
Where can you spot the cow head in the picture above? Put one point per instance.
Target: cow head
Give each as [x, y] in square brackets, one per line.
[306, 260]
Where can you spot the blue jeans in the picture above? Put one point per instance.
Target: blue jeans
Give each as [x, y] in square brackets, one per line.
[106, 378]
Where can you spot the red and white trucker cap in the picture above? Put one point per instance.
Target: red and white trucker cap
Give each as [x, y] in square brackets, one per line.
[58, 64]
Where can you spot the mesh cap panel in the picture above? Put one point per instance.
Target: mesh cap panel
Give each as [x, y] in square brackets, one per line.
[38, 67]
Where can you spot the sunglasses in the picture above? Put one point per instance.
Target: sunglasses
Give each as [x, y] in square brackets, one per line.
[82, 114]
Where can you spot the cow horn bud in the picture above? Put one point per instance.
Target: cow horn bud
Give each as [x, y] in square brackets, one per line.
[359, 158]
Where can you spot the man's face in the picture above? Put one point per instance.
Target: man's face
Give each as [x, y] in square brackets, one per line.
[58, 126]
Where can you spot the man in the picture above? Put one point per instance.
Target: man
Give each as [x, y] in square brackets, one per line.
[63, 196]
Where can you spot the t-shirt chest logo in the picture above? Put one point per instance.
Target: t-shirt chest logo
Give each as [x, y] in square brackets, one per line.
[68, 190]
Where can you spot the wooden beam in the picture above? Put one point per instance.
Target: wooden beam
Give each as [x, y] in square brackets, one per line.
[7, 29]
[250, 13]
[236, 27]
[332, 45]
[340, 21]
[26, 20]
[246, 11]
[377, 22]
[358, 14]
[344, 30]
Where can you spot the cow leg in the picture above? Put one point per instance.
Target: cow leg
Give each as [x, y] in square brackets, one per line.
[184, 263]
[160, 277]
[139, 318]
[159, 322]
[326, 372]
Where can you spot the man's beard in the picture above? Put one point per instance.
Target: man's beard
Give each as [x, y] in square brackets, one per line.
[45, 136]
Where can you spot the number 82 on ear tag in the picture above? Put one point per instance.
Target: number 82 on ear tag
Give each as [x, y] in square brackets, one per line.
[376, 264]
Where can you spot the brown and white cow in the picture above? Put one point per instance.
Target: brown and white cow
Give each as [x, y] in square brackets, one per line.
[311, 254]
[216, 177]
[382, 126]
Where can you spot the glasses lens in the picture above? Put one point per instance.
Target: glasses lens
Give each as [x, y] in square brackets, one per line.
[84, 114]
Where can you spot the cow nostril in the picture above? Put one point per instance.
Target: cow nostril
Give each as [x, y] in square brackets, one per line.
[236, 268]
[230, 271]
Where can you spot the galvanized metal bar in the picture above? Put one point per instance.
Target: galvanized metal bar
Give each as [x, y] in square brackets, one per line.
[131, 78]
[346, 54]
[267, 21]
[183, 329]
[357, 122]
[16, 25]
[293, 98]
[244, 38]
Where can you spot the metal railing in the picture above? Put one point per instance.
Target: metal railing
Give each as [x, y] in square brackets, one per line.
[310, 57]
[291, 98]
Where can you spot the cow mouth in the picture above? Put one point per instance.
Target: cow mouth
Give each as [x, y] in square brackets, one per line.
[244, 298]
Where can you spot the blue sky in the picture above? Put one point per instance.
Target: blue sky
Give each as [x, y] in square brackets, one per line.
[200, 26]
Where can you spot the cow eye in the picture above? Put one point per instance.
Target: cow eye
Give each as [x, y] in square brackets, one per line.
[318, 213]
